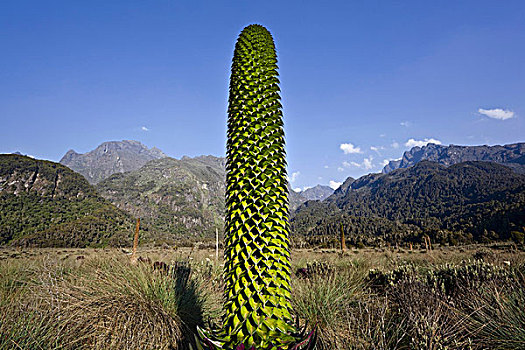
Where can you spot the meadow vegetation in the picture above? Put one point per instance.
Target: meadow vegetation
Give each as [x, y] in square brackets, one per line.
[448, 298]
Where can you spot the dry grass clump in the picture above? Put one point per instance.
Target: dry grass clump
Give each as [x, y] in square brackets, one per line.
[323, 298]
[105, 304]
[496, 315]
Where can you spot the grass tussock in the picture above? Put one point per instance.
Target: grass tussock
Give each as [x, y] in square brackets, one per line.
[105, 304]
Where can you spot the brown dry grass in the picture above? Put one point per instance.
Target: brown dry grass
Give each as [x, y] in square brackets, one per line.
[51, 299]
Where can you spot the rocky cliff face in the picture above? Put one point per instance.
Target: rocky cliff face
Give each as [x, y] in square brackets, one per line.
[512, 155]
[110, 158]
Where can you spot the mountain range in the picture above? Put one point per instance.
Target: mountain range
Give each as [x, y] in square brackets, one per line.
[46, 204]
[512, 155]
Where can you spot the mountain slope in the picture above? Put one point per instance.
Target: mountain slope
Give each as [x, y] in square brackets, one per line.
[512, 155]
[175, 198]
[46, 204]
[467, 201]
[317, 193]
[110, 158]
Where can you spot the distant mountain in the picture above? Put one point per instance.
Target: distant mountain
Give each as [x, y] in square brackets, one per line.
[175, 198]
[44, 203]
[470, 201]
[110, 158]
[344, 187]
[512, 155]
[317, 193]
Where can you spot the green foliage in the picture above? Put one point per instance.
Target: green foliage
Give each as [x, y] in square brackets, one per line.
[449, 279]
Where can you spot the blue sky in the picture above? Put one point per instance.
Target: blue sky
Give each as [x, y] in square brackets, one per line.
[362, 81]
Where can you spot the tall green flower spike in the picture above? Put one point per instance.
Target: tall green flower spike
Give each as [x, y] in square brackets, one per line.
[257, 255]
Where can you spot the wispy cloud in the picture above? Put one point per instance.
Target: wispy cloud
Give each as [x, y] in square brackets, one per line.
[297, 189]
[294, 176]
[497, 113]
[421, 143]
[366, 164]
[326, 166]
[143, 128]
[334, 184]
[406, 124]
[395, 144]
[349, 148]
[377, 148]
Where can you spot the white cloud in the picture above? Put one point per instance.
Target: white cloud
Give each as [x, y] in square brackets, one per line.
[326, 166]
[497, 113]
[306, 187]
[297, 189]
[334, 184]
[349, 148]
[421, 143]
[144, 128]
[382, 135]
[340, 169]
[405, 124]
[294, 176]
[385, 162]
[395, 144]
[351, 164]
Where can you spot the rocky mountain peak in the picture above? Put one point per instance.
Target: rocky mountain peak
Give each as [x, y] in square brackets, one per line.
[508, 155]
[109, 158]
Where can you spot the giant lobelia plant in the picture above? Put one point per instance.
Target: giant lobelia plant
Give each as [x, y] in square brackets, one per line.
[257, 254]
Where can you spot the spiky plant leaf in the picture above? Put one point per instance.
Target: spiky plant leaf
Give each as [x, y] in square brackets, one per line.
[257, 256]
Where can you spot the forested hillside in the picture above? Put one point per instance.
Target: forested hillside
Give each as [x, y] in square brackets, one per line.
[471, 201]
[44, 203]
